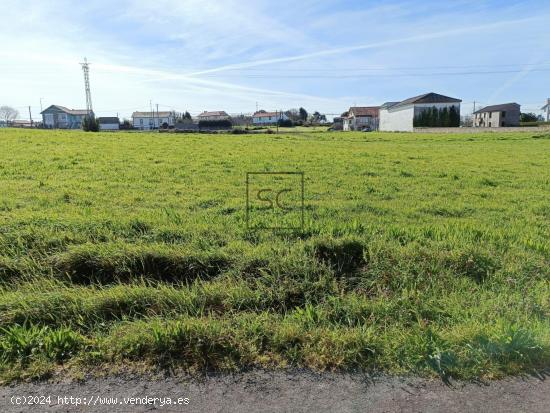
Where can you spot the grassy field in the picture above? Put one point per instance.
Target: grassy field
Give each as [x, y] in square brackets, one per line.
[424, 254]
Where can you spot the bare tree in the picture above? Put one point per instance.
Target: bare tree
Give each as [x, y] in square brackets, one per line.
[8, 114]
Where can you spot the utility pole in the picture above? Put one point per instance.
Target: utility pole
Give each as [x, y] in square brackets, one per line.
[158, 118]
[41, 105]
[547, 107]
[86, 70]
[151, 115]
[277, 119]
[474, 115]
[30, 115]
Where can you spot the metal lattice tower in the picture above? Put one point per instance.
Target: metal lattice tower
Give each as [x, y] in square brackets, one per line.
[86, 70]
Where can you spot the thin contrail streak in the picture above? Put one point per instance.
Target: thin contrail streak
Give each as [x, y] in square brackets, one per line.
[375, 45]
[160, 75]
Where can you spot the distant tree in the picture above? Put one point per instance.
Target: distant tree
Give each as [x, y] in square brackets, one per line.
[454, 117]
[293, 114]
[444, 118]
[316, 116]
[345, 114]
[528, 117]
[90, 124]
[125, 125]
[434, 117]
[8, 114]
[187, 115]
[303, 114]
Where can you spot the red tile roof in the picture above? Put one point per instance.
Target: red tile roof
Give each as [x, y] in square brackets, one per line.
[359, 111]
[266, 114]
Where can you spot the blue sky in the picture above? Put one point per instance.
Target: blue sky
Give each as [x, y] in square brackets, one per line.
[233, 54]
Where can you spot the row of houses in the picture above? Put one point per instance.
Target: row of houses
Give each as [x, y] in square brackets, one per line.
[60, 117]
[427, 110]
[157, 120]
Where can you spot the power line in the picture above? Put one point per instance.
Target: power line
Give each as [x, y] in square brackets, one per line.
[389, 67]
[374, 75]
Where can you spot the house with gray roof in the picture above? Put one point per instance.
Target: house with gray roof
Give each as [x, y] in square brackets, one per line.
[60, 117]
[108, 123]
[498, 116]
[429, 109]
[214, 115]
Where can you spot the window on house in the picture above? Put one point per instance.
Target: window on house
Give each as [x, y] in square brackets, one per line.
[490, 115]
[503, 114]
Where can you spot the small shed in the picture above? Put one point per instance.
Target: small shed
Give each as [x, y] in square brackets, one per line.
[109, 123]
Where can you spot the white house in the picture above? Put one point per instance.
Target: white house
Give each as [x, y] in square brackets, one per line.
[417, 112]
[361, 117]
[215, 115]
[268, 118]
[153, 120]
[109, 123]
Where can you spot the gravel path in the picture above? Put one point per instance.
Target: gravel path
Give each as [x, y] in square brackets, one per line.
[296, 391]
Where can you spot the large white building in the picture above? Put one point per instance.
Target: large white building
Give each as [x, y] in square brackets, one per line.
[268, 118]
[153, 120]
[405, 115]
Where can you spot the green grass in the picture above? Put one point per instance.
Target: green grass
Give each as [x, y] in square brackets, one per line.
[422, 254]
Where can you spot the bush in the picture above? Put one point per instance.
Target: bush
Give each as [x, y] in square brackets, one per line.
[285, 123]
[239, 131]
[220, 124]
[528, 117]
[90, 124]
[125, 125]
